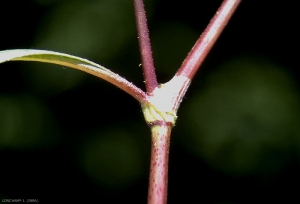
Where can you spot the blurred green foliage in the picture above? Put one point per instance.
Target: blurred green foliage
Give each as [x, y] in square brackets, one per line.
[97, 29]
[113, 158]
[26, 123]
[245, 118]
[70, 136]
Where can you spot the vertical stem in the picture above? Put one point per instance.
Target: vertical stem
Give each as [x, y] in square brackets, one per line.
[208, 38]
[145, 46]
[158, 183]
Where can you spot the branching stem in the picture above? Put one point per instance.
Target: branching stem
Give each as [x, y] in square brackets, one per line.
[161, 103]
[208, 38]
[145, 46]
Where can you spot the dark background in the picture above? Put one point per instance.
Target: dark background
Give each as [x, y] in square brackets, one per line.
[66, 136]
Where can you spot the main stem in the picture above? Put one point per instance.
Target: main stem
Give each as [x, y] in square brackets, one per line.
[161, 107]
[158, 184]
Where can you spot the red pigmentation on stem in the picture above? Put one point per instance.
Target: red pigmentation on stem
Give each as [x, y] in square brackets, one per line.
[208, 38]
[145, 47]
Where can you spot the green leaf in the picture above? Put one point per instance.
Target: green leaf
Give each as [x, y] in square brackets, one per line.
[73, 62]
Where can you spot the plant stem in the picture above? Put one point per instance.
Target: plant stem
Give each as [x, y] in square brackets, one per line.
[158, 183]
[208, 38]
[163, 102]
[145, 46]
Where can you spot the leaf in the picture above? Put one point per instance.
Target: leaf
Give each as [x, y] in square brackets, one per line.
[73, 62]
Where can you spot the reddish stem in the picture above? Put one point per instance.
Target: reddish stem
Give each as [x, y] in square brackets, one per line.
[158, 183]
[145, 46]
[208, 38]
